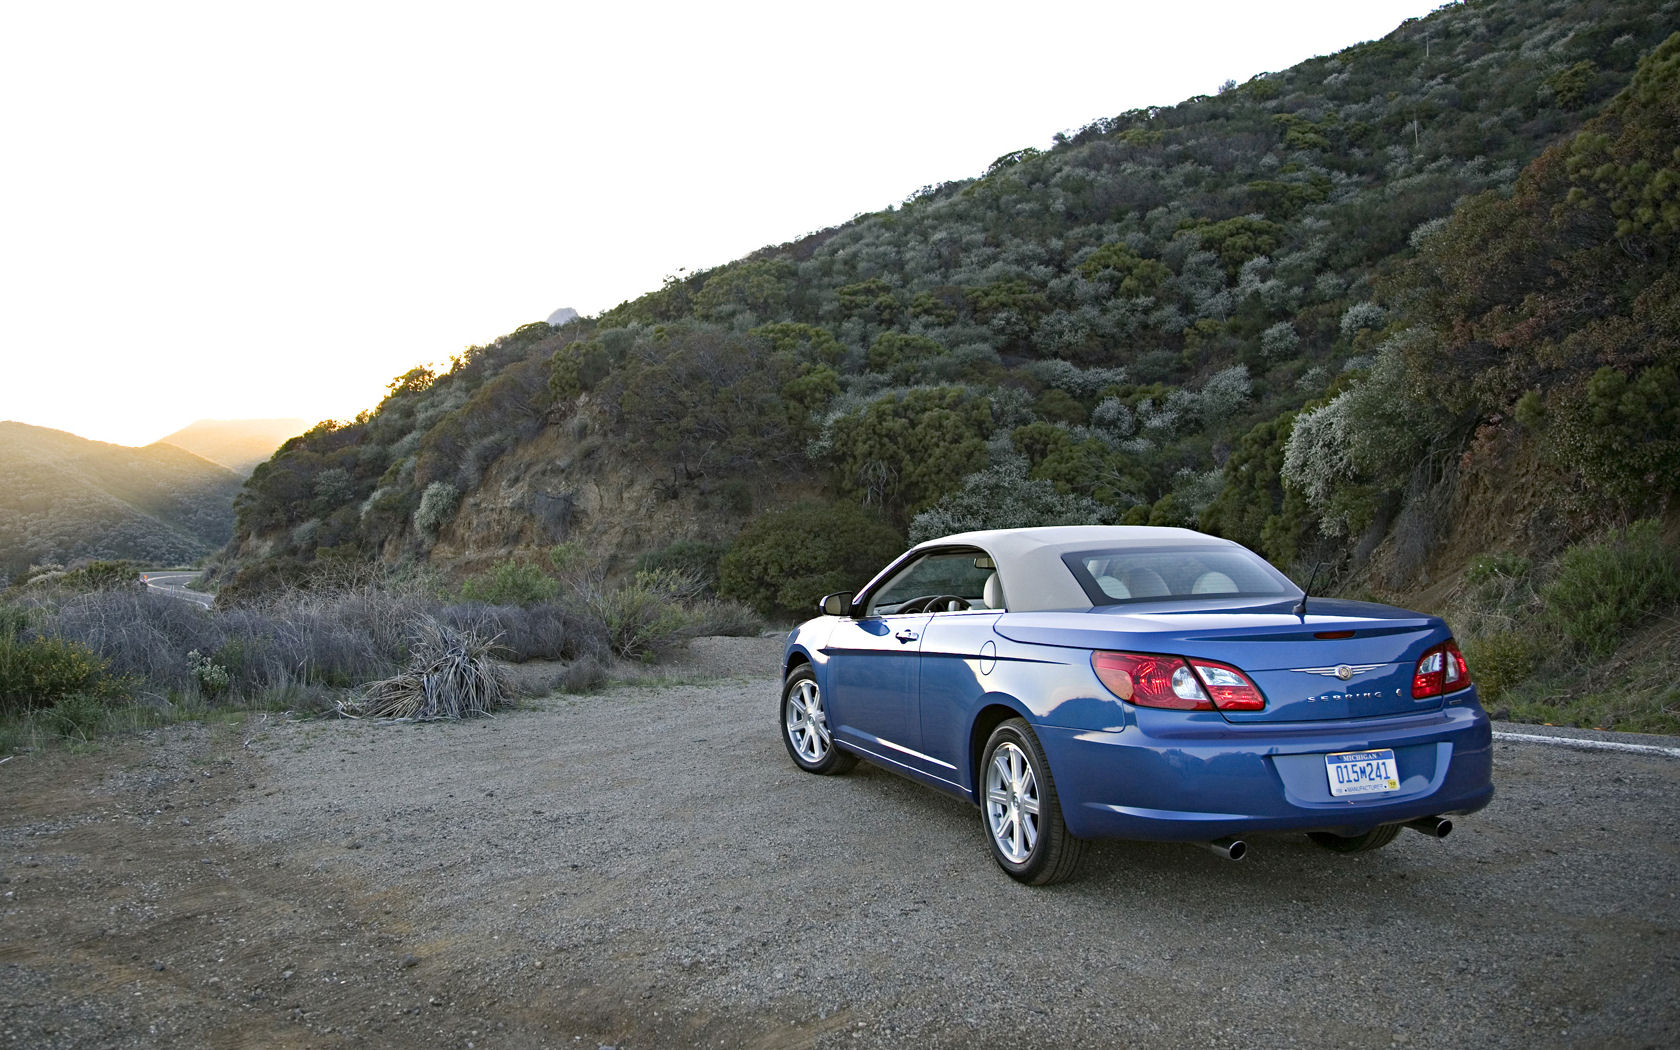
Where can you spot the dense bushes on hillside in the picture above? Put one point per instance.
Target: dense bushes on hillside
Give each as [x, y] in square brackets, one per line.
[1549, 315]
[1266, 312]
[1590, 638]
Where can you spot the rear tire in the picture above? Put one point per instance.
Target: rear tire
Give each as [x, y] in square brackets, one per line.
[1376, 838]
[1020, 812]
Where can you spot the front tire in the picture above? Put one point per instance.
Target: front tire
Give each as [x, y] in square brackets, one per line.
[1019, 809]
[1376, 838]
[805, 731]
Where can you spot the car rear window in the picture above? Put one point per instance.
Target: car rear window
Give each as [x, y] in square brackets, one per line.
[1167, 574]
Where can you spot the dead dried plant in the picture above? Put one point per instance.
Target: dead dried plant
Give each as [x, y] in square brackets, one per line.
[452, 674]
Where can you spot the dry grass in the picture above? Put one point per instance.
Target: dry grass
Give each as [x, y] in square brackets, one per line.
[452, 675]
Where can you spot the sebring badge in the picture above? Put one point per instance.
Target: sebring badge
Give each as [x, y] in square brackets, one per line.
[1342, 671]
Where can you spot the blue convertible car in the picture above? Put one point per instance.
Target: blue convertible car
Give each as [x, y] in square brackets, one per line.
[1086, 682]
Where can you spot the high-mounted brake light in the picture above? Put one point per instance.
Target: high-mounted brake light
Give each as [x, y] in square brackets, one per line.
[1439, 671]
[1171, 682]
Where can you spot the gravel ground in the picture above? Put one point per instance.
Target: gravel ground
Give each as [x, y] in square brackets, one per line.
[644, 867]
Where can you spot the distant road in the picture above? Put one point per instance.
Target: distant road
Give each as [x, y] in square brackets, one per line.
[174, 584]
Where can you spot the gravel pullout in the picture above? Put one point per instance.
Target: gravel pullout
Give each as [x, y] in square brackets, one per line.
[644, 867]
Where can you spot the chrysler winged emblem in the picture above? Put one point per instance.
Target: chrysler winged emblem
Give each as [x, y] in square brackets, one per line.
[1342, 671]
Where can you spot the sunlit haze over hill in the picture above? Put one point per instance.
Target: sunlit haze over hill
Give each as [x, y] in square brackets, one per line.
[264, 210]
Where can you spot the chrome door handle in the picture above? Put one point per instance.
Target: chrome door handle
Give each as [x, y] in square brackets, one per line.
[906, 635]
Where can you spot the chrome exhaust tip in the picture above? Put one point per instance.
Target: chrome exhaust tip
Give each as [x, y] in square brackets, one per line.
[1434, 827]
[1229, 847]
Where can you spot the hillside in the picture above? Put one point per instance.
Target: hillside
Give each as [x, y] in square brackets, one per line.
[237, 444]
[1384, 311]
[64, 498]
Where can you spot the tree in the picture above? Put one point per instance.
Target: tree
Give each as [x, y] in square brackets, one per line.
[1253, 506]
[903, 451]
[705, 401]
[1238, 240]
[760, 287]
[785, 560]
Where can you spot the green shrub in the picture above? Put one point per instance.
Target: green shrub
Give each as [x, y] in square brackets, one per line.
[694, 557]
[1500, 660]
[100, 575]
[437, 506]
[1501, 592]
[643, 619]
[77, 716]
[1600, 591]
[905, 450]
[1487, 568]
[13, 620]
[212, 678]
[41, 672]
[783, 561]
[723, 617]
[510, 582]
[1004, 497]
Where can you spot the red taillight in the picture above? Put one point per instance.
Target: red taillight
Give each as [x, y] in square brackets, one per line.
[1440, 670]
[1149, 680]
[1231, 689]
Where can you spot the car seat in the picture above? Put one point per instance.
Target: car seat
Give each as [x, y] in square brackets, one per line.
[1213, 583]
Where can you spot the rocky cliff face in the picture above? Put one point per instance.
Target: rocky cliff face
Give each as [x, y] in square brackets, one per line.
[567, 485]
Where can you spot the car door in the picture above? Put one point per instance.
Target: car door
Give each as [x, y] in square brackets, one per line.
[877, 670]
[873, 672]
[950, 685]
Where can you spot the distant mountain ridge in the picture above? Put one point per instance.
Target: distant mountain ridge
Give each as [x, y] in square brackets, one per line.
[65, 498]
[237, 444]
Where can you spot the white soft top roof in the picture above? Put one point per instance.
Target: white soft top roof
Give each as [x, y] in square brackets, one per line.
[1029, 561]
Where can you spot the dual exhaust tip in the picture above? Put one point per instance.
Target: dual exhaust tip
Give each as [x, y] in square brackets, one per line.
[1232, 848]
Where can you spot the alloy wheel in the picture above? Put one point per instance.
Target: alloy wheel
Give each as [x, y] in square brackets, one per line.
[1012, 804]
[807, 722]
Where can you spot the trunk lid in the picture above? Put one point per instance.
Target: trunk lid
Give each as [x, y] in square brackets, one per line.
[1343, 660]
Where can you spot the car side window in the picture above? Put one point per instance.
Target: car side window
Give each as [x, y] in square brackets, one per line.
[941, 581]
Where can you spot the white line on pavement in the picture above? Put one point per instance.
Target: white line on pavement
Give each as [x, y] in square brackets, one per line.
[1588, 745]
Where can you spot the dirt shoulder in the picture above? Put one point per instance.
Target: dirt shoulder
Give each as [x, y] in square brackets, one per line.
[643, 868]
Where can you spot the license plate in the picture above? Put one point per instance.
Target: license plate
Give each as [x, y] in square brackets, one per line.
[1362, 773]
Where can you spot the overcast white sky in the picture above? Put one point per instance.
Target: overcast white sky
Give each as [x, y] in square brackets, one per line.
[242, 209]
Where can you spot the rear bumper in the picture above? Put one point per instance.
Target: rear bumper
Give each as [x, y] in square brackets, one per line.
[1173, 777]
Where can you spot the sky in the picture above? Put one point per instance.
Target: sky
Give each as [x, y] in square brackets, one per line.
[259, 209]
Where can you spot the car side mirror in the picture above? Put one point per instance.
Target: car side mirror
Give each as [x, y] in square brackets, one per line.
[837, 604]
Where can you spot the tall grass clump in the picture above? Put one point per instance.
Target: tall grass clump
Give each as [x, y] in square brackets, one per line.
[1601, 591]
[646, 617]
[452, 675]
